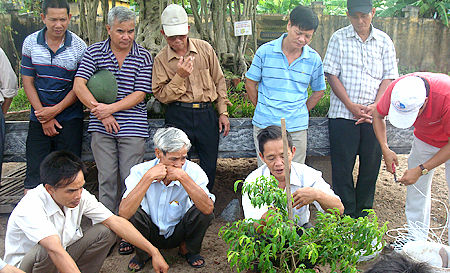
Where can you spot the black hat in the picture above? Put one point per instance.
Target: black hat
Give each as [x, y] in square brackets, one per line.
[364, 6]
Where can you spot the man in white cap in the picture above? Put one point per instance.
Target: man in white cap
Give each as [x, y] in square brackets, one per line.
[187, 76]
[421, 99]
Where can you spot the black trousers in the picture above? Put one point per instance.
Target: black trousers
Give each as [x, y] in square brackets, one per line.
[346, 141]
[202, 128]
[39, 145]
[191, 229]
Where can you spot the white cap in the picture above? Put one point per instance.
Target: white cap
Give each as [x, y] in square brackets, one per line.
[408, 96]
[174, 20]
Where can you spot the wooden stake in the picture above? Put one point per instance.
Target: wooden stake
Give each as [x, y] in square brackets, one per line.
[287, 169]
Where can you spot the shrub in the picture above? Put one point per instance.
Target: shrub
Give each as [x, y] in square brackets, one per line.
[336, 240]
[20, 102]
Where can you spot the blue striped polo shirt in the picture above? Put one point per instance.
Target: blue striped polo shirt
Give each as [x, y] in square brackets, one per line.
[135, 75]
[282, 89]
[53, 72]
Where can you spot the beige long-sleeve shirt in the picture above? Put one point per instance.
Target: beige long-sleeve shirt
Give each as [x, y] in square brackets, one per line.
[8, 78]
[205, 84]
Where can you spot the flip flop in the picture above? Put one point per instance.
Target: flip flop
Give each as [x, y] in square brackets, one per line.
[123, 244]
[192, 258]
[137, 261]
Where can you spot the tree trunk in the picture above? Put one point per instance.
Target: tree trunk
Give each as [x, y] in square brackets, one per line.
[148, 34]
[105, 10]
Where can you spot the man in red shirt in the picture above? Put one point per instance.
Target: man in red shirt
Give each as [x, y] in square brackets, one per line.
[421, 99]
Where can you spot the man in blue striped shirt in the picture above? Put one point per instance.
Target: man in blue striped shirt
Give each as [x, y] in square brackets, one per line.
[119, 129]
[279, 76]
[50, 58]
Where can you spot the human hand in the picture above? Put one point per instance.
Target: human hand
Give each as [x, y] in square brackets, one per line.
[111, 124]
[359, 111]
[46, 114]
[410, 176]
[101, 110]
[159, 264]
[157, 172]
[185, 67]
[370, 110]
[304, 196]
[390, 157]
[49, 127]
[224, 124]
[174, 174]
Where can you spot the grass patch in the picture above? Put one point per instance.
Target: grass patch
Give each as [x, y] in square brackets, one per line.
[20, 102]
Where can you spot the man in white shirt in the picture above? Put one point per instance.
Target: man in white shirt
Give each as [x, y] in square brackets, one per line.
[168, 201]
[8, 90]
[44, 233]
[307, 184]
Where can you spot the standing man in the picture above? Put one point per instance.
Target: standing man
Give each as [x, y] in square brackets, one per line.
[283, 69]
[420, 99]
[167, 199]
[118, 129]
[8, 90]
[188, 77]
[50, 58]
[44, 233]
[359, 64]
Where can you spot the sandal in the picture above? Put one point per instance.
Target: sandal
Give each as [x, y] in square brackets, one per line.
[137, 261]
[192, 258]
[125, 245]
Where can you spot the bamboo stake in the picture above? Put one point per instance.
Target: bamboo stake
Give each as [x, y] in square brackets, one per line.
[287, 170]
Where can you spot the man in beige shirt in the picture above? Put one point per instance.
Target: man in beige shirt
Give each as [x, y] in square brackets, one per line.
[187, 76]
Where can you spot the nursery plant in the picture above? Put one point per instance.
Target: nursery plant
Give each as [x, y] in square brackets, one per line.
[276, 244]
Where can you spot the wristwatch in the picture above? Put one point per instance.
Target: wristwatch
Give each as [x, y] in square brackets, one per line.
[226, 114]
[424, 171]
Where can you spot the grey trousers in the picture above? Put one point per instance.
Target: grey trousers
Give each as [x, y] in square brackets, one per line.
[89, 252]
[191, 229]
[114, 157]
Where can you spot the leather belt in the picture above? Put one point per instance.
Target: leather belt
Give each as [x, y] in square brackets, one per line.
[194, 105]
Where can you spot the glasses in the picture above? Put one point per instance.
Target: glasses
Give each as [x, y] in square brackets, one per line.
[173, 38]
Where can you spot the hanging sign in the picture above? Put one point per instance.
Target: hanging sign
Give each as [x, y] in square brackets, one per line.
[243, 28]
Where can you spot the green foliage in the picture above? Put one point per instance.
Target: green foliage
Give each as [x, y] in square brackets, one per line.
[336, 240]
[20, 102]
[321, 108]
[437, 9]
[242, 107]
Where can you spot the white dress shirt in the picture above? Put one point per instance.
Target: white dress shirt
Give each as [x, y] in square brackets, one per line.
[8, 78]
[37, 216]
[166, 205]
[302, 176]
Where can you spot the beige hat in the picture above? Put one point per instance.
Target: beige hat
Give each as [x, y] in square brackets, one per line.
[174, 20]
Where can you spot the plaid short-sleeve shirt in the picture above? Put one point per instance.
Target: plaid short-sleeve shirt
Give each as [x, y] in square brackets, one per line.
[360, 66]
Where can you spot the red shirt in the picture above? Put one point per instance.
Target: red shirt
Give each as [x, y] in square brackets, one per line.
[433, 125]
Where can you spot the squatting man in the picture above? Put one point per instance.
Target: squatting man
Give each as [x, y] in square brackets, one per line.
[307, 184]
[168, 201]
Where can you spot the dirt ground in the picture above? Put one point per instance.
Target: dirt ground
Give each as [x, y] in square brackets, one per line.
[389, 206]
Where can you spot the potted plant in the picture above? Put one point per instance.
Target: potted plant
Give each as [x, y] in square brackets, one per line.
[275, 245]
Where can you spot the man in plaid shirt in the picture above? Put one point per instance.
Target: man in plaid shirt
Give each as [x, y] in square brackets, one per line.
[359, 64]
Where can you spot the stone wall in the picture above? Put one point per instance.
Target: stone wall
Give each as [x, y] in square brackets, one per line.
[238, 143]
